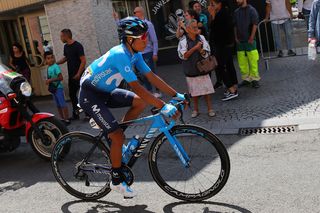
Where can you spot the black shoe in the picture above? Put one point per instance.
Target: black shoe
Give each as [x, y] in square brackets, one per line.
[291, 53]
[86, 118]
[74, 117]
[67, 122]
[255, 84]
[245, 83]
[280, 54]
[217, 85]
[230, 96]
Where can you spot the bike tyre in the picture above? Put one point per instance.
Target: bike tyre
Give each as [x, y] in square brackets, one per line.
[55, 169]
[213, 190]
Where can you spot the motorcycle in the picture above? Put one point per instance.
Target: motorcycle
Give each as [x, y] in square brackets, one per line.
[19, 117]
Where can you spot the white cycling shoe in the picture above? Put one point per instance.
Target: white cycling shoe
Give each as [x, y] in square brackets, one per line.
[123, 189]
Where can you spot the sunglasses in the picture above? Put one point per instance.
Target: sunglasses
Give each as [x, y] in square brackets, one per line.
[143, 37]
[136, 12]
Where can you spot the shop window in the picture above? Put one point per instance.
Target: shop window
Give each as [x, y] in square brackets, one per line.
[120, 8]
[126, 8]
[164, 16]
[161, 13]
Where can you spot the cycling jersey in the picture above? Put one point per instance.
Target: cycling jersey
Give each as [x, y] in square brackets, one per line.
[107, 72]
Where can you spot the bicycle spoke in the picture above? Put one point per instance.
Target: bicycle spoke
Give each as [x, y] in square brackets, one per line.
[205, 177]
[199, 182]
[196, 151]
[202, 171]
[83, 167]
[185, 183]
[192, 181]
[178, 176]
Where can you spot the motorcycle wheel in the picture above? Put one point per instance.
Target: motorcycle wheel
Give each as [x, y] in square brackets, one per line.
[52, 129]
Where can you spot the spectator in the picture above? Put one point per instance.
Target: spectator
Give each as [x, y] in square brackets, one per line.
[203, 19]
[150, 54]
[74, 56]
[192, 47]
[189, 14]
[280, 11]
[54, 79]
[46, 46]
[314, 23]
[304, 8]
[246, 20]
[222, 39]
[19, 62]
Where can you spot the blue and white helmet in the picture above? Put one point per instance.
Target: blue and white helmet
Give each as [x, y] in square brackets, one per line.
[131, 26]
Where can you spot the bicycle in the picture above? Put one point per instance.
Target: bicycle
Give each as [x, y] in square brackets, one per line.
[87, 156]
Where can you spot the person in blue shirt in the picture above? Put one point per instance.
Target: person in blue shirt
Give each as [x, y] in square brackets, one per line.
[203, 19]
[99, 91]
[54, 79]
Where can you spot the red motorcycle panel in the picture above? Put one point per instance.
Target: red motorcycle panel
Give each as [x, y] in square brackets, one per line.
[10, 118]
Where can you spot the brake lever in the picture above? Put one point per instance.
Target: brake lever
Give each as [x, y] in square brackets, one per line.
[181, 114]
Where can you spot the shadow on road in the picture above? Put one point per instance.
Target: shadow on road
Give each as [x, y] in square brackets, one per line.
[209, 208]
[105, 206]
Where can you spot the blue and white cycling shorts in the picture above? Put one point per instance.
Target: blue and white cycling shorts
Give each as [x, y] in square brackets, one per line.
[96, 104]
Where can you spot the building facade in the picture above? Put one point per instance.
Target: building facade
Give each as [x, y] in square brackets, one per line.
[35, 22]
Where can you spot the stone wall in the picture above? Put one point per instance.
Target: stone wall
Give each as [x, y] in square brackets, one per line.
[91, 23]
[106, 28]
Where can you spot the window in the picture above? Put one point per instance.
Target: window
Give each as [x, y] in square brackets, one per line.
[126, 8]
[164, 16]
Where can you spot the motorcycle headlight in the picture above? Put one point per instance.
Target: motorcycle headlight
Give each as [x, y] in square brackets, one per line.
[26, 89]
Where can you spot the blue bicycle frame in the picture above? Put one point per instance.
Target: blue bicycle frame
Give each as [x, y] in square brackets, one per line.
[158, 123]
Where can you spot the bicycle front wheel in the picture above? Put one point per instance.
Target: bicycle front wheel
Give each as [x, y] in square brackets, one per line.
[208, 168]
[81, 164]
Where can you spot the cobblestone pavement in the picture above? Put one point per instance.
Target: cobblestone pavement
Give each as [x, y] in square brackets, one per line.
[289, 95]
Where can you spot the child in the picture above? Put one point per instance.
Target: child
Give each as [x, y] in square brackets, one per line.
[54, 80]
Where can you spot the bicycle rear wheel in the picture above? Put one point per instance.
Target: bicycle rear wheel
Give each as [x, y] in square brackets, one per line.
[209, 165]
[82, 166]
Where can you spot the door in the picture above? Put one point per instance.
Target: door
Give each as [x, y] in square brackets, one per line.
[37, 39]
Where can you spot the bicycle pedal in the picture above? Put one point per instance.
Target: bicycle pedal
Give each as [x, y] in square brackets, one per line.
[87, 183]
[127, 198]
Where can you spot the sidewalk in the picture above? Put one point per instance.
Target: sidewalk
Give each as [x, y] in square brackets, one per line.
[289, 95]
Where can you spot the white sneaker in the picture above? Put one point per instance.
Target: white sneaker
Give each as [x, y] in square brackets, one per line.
[157, 95]
[123, 189]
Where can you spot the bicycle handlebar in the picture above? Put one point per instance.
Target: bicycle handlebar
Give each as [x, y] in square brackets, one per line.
[178, 105]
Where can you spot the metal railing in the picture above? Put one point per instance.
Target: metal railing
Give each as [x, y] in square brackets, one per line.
[268, 47]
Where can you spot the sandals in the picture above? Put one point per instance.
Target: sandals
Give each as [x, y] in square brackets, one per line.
[211, 113]
[194, 114]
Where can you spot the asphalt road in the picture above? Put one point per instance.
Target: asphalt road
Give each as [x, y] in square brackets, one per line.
[269, 173]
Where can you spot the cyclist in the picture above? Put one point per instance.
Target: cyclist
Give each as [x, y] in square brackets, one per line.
[99, 91]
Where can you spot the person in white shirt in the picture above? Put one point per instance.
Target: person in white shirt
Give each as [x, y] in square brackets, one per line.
[304, 7]
[280, 14]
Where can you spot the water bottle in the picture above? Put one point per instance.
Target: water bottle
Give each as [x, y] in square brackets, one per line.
[128, 151]
[312, 51]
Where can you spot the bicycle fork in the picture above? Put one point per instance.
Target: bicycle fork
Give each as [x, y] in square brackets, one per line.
[176, 145]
